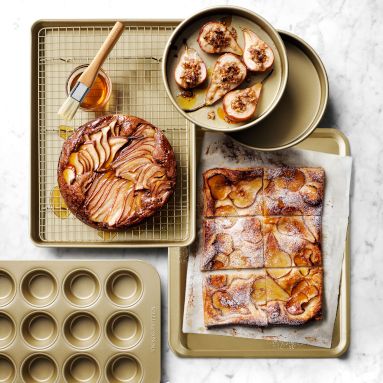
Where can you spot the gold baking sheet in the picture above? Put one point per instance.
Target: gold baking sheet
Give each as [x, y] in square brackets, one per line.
[80, 321]
[198, 345]
[134, 66]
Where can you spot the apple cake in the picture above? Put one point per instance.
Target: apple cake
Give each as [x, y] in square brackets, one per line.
[116, 171]
[289, 296]
[267, 221]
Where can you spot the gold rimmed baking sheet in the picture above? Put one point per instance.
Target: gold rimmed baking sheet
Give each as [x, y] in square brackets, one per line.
[201, 345]
[134, 67]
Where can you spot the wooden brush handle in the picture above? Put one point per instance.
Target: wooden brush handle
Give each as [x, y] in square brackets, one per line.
[90, 73]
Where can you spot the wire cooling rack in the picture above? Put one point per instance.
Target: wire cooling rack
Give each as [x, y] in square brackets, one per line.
[134, 67]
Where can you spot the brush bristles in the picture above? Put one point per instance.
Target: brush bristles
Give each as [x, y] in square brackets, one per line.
[68, 108]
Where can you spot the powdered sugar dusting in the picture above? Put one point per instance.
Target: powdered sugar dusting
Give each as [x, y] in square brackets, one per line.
[221, 151]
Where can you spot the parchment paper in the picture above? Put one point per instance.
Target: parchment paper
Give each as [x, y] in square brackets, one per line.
[219, 150]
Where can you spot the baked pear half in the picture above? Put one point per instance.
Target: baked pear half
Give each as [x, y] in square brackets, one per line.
[216, 37]
[228, 73]
[191, 70]
[257, 55]
[241, 105]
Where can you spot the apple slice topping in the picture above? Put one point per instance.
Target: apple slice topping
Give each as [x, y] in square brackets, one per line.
[118, 206]
[104, 141]
[96, 137]
[101, 212]
[191, 70]
[216, 37]
[219, 186]
[90, 149]
[69, 174]
[244, 192]
[258, 56]
[275, 292]
[75, 162]
[116, 143]
[258, 293]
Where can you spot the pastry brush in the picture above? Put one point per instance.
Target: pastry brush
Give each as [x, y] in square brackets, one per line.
[69, 107]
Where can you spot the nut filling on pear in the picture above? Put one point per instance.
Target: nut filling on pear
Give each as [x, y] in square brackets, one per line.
[116, 171]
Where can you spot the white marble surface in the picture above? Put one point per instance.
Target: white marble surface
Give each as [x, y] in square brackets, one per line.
[348, 36]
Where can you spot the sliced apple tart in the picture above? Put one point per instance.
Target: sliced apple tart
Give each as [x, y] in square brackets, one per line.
[292, 241]
[116, 171]
[294, 296]
[293, 191]
[232, 243]
[238, 298]
[232, 192]
[267, 220]
[290, 296]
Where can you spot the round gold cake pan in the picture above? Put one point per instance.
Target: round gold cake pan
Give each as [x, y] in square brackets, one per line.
[187, 32]
[302, 105]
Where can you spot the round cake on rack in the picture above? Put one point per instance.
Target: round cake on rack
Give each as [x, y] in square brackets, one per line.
[116, 171]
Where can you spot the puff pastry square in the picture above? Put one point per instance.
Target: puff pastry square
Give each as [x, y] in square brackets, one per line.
[292, 241]
[238, 298]
[293, 191]
[294, 295]
[232, 243]
[232, 192]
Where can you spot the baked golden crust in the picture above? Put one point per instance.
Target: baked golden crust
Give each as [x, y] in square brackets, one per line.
[265, 217]
[284, 296]
[293, 191]
[232, 243]
[116, 171]
[292, 241]
[294, 296]
[235, 299]
[232, 192]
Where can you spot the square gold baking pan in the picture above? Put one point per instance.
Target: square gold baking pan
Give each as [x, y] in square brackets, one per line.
[134, 66]
[199, 345]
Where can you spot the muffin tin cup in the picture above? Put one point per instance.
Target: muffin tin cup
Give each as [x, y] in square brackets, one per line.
[39, 330]
[39, 288]
[124, 330]
[81, 330]
[81, 288]
[39, 368]
[7, 330]
[7, 369]
[7, 287]
[124, 288]
[80, 321]
[81, 368]
[124, 368]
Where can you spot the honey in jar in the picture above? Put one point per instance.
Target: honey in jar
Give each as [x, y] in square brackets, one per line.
[98, 95]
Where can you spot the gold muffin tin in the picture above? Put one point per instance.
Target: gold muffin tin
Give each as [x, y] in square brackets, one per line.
[134, 66]
[79, 321]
